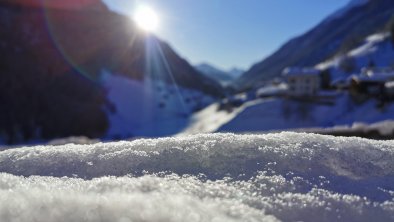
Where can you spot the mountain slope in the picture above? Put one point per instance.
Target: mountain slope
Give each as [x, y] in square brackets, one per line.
[330, 37]
[42, 96]
[377, 50]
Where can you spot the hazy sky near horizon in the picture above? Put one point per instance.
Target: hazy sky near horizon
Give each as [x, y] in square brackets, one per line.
[228, 33]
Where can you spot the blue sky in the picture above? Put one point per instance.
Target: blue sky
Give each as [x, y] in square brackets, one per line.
[228, 33]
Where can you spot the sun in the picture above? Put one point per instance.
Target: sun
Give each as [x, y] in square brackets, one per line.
[146, 19]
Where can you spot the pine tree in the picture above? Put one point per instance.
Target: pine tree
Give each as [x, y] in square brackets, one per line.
[325, 79]
[392, 33]
[347, 64]
[371, 64]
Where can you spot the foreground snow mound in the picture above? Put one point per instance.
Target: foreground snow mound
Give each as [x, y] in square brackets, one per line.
[115, 199]
[219, 177]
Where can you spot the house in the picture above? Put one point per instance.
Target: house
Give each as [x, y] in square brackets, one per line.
[341, 83]
[302, 81]
[376, 82]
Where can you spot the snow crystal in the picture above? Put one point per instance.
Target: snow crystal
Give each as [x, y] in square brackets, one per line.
[211, 177]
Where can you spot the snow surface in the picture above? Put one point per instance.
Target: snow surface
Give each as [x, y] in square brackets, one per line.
[210, 119]
[212, 177]
[283, 114]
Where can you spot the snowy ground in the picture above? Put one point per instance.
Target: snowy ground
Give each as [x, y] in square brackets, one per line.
[213, 177]
[278, 114]
[149, 108]
[384, 128]
[212, 118]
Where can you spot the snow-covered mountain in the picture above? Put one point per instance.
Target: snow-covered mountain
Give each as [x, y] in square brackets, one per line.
[52, 61]
[224, 77]
[339, 33]
[376, 50]
[235, 72]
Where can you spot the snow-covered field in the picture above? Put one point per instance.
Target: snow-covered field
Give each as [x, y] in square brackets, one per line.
[212, 177]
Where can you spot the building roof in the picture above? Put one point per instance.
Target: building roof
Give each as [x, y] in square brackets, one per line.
[297, 71]
[375, 77]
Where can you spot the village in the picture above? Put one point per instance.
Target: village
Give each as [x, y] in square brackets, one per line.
[316, 86]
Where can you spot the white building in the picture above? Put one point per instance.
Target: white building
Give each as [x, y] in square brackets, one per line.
[302, 81]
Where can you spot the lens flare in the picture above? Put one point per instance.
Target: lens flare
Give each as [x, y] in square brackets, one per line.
[146, 18]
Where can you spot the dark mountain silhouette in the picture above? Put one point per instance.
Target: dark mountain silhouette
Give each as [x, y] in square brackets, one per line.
[59, 4]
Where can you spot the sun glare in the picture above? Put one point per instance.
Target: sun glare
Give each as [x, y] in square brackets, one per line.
[146, 18]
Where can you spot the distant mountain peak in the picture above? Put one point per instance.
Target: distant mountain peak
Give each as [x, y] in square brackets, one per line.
[223, 76]
[236, 72]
